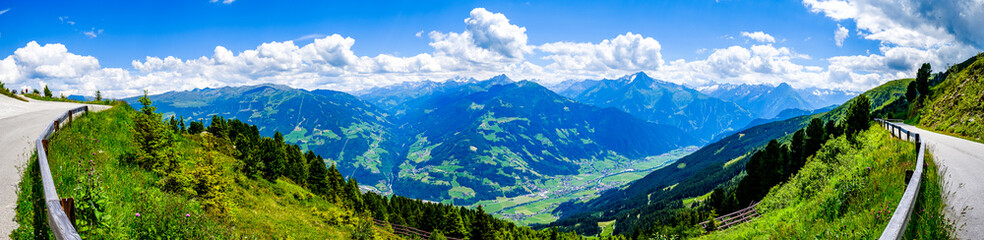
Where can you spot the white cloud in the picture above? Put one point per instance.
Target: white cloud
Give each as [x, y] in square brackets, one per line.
[625, 53]
[489, 45]
[911, 32]
[840, 35]
[910, 23]
[759, 64]
[4, 11]
[223, 1]
[93, 33]
[759, 36]
[488, 37]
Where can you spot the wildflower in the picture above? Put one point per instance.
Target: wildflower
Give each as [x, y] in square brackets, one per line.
[187, 215]
[138, 214]
[869, 168]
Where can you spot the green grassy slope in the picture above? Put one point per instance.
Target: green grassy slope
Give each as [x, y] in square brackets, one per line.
[715, 164]
[955, 105]
[85, 160]
[847, 191]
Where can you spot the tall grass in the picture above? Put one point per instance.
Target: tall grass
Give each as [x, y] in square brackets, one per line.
[927, 220]
[118, 200]
[848, 190]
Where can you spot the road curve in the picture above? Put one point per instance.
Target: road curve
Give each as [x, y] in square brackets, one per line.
[20, 125]
[963, 164]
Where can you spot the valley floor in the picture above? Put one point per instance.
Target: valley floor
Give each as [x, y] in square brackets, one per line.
[537, 208]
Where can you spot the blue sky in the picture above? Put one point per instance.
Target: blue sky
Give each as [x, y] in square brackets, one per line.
[94, 45]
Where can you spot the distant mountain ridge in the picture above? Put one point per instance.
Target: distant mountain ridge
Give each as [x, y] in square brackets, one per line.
[763, 101]
[662, 102]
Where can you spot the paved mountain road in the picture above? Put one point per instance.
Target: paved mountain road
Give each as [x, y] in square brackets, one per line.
[20, 125]
[963, 161]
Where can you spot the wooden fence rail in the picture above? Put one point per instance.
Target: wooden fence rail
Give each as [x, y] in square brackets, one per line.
[731, 219]
[61, 226]
[903, 212]
[405, 230]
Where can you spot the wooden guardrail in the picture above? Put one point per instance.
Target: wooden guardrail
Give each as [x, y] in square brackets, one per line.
[731, 219]
[903, 212]
[405, 230]
[61, 226]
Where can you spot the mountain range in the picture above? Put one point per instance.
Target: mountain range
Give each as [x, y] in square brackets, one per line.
[698, 114]
[463, 141]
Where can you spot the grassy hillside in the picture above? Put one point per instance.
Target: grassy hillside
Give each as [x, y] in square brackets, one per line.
[347, 131]
[659, 195]
[847, 190]
[117, 200]
[134, 177]
[880, 97]
[955, 105]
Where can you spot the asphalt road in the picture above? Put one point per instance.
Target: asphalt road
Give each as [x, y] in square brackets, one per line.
[20, 125]
[962, 162]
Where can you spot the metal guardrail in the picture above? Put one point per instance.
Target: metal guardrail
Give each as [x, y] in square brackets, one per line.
[61, 226]
[903, 212]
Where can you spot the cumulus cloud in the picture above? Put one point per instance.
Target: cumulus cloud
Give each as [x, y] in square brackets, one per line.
[840, 35]
[488, 37]
[910, 23]
[488, 45]
[911, 32]
[624, 53]
[759, 64]
[759, 36]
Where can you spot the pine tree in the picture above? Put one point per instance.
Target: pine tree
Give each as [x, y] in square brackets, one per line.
[910, 92]
[833, 131]
[354, 195]
[453, 225]
[815, 136]
[196, 127]
[47, 93]
[857, 116]
[99, 96]
[174, 124]
[272, 154]
[297, 165]
[481, 227]
[336, 182]
[182, 123]
[796, 152]
[317, 174]
[922, 79]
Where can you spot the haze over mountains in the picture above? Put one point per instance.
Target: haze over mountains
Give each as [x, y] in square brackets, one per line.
[466, 140]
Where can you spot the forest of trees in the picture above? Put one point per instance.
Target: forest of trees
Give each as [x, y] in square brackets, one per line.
[776, 163]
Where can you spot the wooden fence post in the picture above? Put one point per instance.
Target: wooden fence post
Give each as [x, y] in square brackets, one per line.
[44, 143]
[56, 126]
[68, 205]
